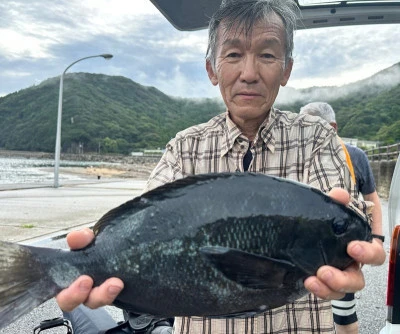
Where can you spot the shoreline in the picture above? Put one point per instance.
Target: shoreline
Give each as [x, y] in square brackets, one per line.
[104, 166]
[85, 157]
[124, 171]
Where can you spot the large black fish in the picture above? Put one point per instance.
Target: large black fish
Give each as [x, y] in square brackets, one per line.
[215, 244]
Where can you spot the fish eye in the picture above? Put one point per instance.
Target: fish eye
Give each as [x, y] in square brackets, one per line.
[339, 226]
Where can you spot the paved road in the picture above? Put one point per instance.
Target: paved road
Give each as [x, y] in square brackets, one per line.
[27, 213]
[80, 205]
[371, 301]
[33, 214]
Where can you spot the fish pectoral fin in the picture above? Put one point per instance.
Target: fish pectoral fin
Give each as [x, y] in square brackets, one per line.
[250, 270]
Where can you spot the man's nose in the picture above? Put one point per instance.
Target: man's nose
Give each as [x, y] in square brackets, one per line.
[249, 71]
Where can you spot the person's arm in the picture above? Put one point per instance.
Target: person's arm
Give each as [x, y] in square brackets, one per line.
[168, 169]
[376, 213]
[367, 187]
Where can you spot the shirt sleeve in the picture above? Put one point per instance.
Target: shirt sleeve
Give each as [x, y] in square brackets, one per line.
[168, 168]
[328, 169]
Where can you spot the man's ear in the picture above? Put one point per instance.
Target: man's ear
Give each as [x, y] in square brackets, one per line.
[211, 74]
[286, 72]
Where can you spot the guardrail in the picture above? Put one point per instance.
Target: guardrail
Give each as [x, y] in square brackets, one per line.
[389, 152]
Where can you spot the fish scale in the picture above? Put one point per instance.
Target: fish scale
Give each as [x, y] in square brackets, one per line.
[227, 244]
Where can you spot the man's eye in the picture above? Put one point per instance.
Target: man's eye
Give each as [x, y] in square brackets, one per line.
[268, 56]
[233, 55]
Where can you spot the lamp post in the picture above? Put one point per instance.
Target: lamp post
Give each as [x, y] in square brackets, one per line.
[58, 135]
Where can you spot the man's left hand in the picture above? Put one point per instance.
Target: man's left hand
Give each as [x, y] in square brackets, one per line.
[333, 283]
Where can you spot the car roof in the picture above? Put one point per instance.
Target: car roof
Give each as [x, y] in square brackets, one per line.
[195, 14]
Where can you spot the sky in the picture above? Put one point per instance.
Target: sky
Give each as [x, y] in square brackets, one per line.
[39, 39]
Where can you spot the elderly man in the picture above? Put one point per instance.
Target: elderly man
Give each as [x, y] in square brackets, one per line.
[249, 57]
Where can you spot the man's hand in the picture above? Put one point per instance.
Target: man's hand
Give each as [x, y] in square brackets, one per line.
[332, 283]
[81, 291]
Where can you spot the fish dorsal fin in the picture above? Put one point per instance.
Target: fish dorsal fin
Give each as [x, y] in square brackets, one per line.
[191, 180]
[166, 190]
[129, 207]
[157, 194]
[250, 270]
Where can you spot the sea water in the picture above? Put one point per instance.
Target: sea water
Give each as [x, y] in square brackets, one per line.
[28, 170]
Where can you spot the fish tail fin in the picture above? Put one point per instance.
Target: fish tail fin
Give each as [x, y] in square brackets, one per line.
[23, 282]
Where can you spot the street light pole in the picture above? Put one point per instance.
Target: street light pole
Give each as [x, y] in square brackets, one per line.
[58, 135]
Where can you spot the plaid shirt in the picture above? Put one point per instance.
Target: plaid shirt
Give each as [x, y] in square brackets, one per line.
[297, 147]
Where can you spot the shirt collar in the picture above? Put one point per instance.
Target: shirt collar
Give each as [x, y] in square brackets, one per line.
[265, 132]
[232, 132]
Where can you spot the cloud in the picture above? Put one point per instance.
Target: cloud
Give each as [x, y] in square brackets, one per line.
[14, 45]
[178, 82]
[336, 56]
[34, 29]
[40, 40]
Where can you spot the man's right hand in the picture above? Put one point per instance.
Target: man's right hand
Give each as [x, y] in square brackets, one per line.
[81, 291]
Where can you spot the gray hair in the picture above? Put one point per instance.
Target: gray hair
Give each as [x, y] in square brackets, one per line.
[321, 109]
[245, 14]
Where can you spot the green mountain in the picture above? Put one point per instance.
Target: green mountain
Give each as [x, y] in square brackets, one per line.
[368, 109]
[114, 114]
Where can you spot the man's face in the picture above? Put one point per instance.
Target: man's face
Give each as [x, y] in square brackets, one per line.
[250, 71]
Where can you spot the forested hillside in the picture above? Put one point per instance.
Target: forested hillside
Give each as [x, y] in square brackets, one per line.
[115, 114]
[368, 109]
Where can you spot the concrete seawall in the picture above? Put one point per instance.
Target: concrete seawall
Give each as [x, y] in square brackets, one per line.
[383, 172]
